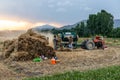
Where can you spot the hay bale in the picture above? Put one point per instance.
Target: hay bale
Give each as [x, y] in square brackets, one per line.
[27, 46]
[22, 56]
[8, 48]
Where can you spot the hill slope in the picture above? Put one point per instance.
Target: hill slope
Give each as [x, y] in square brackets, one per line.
[44, 27]
[116, 24]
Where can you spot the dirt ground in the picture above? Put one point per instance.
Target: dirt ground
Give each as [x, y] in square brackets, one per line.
[78, 59]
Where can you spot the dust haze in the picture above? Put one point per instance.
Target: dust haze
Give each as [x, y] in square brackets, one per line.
[13, 34]
[49, 36]
[10, 34]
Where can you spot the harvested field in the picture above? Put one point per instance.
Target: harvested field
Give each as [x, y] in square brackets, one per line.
[78, 59]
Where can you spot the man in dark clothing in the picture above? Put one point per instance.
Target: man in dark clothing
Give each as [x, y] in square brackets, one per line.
[55, 42]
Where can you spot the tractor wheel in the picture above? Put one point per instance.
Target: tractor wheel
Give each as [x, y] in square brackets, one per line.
[90, 45]
[75, 45]
[83, 44]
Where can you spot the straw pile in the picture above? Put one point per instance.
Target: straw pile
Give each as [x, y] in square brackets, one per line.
[27, 47]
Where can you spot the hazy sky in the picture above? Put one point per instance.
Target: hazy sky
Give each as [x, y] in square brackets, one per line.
[55, 12]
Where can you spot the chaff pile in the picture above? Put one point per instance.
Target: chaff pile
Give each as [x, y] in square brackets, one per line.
[27, 47]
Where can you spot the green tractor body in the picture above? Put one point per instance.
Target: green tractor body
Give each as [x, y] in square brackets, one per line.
[65, 38]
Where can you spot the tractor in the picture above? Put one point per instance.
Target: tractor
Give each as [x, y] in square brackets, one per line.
[86, 44]
[92, 43]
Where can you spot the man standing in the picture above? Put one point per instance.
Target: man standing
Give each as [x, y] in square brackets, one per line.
[55, 42]
[70, 42]
[59, 40]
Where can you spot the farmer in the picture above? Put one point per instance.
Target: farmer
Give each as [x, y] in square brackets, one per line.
[47, 40]
[59, 42]
[55, 42]
[70, 42]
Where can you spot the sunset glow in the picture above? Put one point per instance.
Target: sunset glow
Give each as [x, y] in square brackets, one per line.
[13, 25]
[43, 23]
[21, 25]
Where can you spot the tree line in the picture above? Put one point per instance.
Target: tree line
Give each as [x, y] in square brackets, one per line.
[97, 24]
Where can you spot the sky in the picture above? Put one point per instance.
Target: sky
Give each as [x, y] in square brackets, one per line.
[24, 14]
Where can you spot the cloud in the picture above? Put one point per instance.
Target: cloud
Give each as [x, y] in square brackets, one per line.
[51, 1]
[64, 3]
[87, 9]
[61, 10]
[51, 6]
[55, 11]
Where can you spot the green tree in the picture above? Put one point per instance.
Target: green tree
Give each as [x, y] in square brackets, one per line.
[91, 23]
[116, 33]
[100, 23]
[104, 23]
[55, 31]
[80, 29]
[77, 29]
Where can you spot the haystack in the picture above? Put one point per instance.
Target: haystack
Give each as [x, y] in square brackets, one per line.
[27, 47]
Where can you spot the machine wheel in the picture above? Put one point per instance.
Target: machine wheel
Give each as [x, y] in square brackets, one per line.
[75, 45]
[83, 44]
[90, 45]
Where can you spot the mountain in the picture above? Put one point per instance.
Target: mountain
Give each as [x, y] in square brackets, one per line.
[116, 24]
[67, 27]
[73, 26]
[44, 27]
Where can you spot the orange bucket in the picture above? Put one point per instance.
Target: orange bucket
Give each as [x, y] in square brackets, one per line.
[53, 61]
